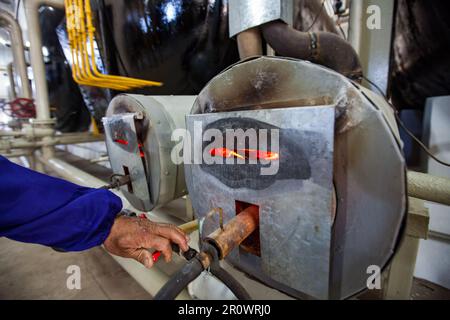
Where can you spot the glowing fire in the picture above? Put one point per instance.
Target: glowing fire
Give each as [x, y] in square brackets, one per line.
[125, 142]
[244, 154]
[121, 141]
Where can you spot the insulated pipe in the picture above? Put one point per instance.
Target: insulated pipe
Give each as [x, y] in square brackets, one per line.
[8, 144]
[428, 187]
[325, 48]
[8, 21]
[31, 8]
[250, 43]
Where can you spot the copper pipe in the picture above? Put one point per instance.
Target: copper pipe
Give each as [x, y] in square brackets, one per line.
[235, 231]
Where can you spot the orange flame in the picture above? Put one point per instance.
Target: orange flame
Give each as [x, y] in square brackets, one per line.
[258, 154]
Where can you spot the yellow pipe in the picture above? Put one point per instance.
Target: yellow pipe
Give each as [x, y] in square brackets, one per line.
[85, 58]
[86, 75]
[91, 30]
[79, 20]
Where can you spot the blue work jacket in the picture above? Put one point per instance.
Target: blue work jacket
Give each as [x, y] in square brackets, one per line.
[37, 208]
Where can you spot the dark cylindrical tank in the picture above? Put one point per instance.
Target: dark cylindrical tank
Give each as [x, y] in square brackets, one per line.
[181, 43]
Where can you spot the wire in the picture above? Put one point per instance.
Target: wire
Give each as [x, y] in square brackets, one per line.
[405, 128]
[317, 16]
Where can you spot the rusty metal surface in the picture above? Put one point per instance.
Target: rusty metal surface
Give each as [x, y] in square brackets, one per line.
[122, 127]
[235, 231]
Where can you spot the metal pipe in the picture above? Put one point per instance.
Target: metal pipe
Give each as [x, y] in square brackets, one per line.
[235, 231]
[325, 48]
[73, 174]
[428, 187]
[250, 43]
[28, 131]
[7, 20]
[4, 133]
[12, 83]
[31, 8]
[8, 144]
[17, 153]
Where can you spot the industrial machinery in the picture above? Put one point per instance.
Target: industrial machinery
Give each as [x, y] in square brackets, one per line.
[322, 218]
[138, 133]
[291, 170]
[327, 215]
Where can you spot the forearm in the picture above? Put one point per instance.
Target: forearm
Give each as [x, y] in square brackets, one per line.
[40, 209]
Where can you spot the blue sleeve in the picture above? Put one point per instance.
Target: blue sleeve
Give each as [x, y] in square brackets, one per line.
[37, 208]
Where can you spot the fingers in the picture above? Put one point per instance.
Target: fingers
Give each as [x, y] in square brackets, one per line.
[174, 234]
[160, 244]
[143, 256]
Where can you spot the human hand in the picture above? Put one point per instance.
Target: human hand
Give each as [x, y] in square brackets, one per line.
[131, 237]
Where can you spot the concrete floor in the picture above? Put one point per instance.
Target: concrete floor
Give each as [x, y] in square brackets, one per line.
[29, 271]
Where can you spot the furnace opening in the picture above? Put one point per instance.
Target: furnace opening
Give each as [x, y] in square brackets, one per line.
[252, 243]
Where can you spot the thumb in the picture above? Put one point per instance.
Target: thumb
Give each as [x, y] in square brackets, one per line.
[143, 256]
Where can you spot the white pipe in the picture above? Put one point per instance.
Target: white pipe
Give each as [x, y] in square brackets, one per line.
[31, 8]
[48, 141]
[73, 174]
[17, 153]
[12, 83]
[7, 20]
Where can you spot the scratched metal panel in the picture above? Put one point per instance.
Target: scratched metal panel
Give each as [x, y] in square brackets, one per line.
[246, 14]
[120, 155]
[369, 169]
[295, 206]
